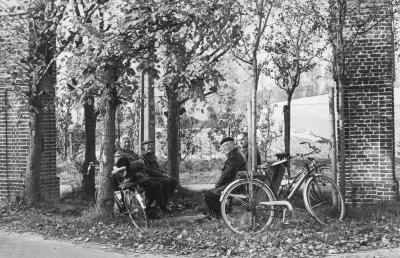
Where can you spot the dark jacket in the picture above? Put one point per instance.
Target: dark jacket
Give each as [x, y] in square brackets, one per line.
[234, 163]
[246, 155]
[129, 159]
[150, 160]
[152, 167]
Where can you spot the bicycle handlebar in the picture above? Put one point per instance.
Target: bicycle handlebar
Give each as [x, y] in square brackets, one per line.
[286, 156]
[313, 148]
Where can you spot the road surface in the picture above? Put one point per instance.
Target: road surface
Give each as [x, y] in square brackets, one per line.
[27, 245]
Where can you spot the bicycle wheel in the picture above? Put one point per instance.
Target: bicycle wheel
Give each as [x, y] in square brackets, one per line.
[118, 205]
[323, 199]
[135, 209]
[243, 212]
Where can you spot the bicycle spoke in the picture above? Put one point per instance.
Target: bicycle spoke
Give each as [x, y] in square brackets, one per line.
[135, 211]
[240, 197]
[241, 210]
[323, 199]
[314, 206]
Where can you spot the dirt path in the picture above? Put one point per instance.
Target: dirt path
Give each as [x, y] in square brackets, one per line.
[26, 245]
[199, 187]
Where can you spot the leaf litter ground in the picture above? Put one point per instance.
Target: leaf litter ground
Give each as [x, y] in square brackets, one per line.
[364, 229]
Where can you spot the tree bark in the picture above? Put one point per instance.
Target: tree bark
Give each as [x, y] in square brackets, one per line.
[333, 134]
[287, 125]
[32, 176]
[173, 134]
[66, 140]
[286, 122]
[342, 140]
[88, 176]
[105, 202]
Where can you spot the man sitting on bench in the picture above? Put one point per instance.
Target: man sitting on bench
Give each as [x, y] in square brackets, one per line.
[135, 173]
[153, 170]
[234, 163]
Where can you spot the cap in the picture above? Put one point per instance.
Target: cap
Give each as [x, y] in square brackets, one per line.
[147, 141]
[125, 136]
[227, 139]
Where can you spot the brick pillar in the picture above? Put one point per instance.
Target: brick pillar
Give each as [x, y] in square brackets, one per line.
[14, 118]
[369, 111]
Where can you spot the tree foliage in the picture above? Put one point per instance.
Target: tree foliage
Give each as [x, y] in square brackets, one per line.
[188, 46]
[227, 122]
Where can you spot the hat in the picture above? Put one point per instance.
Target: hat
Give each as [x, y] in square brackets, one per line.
[125, 136]
[147, 141]
[226, 139]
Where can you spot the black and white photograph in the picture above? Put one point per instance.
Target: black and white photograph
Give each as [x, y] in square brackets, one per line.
[199, 128]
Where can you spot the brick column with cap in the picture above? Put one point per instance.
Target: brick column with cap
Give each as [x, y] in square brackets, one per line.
[14, 117]
[369, 110]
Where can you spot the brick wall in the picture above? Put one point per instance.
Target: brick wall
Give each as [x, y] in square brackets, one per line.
[14, 122]
[369, 111]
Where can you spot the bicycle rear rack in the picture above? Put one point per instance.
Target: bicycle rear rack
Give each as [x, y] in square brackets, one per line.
[288, 205]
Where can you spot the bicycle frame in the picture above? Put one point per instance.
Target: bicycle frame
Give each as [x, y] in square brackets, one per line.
[308, 170]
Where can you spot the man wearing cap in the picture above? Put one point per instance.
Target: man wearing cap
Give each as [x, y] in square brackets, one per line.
[153, 170]
[234, 163]
[135, 171]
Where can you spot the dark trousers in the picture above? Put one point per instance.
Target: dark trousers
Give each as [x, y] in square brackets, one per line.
[153, 188]
[168, 184]
[211, 198]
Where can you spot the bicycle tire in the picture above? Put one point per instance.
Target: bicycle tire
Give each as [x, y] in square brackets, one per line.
[242, 215]
[323, 199]
[135, 210]
[118, 204]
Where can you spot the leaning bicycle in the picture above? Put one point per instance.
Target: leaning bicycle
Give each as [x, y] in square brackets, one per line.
[128, 199]
[250, 204]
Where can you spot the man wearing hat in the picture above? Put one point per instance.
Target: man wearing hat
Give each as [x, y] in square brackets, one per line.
[169, 184]
[135, 171]
[234, 163]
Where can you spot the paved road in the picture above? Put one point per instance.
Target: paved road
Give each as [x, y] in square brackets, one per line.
[26, 245]
[378, 253]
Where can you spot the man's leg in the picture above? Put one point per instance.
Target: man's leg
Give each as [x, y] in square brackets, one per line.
[211, 198]
[153, 193]
[173, 184]
[164, 182]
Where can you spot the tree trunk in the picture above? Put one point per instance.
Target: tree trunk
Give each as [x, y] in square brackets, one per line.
[105, 202]
[332, 120]
[65, 145]
[32, 176]
[173, 134]
[249, 161]
[286, 122]
[342, 140]
[286, 115]
[88, 176]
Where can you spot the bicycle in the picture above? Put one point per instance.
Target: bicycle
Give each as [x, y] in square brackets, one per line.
[128, 199]
[249, 205]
